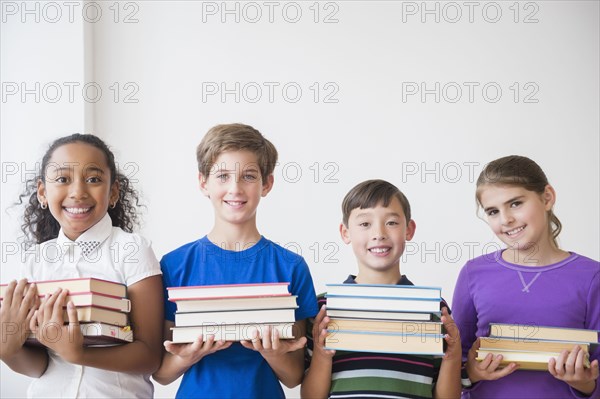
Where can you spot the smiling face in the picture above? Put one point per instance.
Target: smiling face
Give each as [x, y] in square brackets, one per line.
[517, 216]
[378, 236]
[234, 186]
[77, 187]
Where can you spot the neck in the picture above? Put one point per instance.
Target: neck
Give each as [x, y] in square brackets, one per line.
[234, 238]
[369, 276]
[535, 256]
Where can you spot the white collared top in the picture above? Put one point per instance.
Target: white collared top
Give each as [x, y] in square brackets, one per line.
[103, 252]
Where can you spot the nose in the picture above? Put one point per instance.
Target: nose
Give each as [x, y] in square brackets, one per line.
[77, 189]
[506, 218]
[378, 232]
[234, 186]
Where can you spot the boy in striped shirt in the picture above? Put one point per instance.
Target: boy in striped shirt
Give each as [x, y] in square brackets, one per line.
[377, 223]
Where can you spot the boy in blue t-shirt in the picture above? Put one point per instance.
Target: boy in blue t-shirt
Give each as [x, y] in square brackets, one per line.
[377, 223]
[236, 169]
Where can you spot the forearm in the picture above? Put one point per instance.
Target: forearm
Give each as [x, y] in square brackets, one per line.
[448, 385]
[29, 361]
[288, 367]
[317, 381]
[134, 357]
[171, 368]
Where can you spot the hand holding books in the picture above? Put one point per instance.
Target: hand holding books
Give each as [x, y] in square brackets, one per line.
[570, 367]
[319, 333]
[191, 353]
[268, 343]
[51, 331]
[488, 368]
[16, 311]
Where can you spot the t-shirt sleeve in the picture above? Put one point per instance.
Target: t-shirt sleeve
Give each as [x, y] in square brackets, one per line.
[302, 286]
[170, 307]
[139, 260]
[465, 317]
[592, 322]
[464, 313]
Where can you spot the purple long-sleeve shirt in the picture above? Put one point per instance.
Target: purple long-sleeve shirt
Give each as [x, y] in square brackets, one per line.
[491, 290]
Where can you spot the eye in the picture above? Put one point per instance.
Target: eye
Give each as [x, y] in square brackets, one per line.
[364, 224]
[515, 204]
[222, 177]
[492, 212]
[392, 223]
[250, 178]
[61, 179]
[93, 179]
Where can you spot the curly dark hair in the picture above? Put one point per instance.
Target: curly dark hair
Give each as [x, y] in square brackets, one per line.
[39, 225]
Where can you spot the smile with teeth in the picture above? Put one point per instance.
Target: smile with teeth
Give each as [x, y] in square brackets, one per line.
[77, 211]
[235, 203]
[515, 231]
[379, 250]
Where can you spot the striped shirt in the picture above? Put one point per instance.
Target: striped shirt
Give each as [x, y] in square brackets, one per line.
[379, 375]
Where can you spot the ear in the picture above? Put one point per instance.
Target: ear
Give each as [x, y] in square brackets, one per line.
[267, 185]
[114, 192]
[202, 182]
[410, 230]
[41, 191]
[549, 197]
[345, 234]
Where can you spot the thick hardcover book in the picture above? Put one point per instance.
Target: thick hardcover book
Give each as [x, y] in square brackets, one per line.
[526, 345]
[98, 300]
[383, 304]
[77, 285]
[536, 332]
[227, 291]
[236, 332]
[526, 360]
[91, 314]
[234, 317]
[385, 290]
[385, 342]
[95, 334]
[246, 303]
[384, 315]
[404, 327]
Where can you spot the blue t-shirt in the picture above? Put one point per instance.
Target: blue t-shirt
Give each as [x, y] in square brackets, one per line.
[235, 372]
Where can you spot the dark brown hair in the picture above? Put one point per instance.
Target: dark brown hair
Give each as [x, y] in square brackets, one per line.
[369, 194]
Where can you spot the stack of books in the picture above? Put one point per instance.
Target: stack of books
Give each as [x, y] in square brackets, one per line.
[531, 347]
[384, 318]
[102, 308]
[232, 312]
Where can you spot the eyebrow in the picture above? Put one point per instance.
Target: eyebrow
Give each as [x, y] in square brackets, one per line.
[245, 170]
[364, 214]
[505, 202]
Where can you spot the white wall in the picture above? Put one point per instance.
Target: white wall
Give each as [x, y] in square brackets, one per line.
[367, 61]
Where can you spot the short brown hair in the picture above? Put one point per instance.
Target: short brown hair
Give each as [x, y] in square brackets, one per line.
[518, 171]
[369, 194]
[235, 137]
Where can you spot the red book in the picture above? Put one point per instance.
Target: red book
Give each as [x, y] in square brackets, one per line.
[228, 291]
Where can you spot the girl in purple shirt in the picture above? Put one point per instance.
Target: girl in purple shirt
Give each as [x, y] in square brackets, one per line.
[532, 282]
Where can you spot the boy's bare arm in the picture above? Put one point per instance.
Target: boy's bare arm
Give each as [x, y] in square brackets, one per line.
[178, 358]
[448, 385]
[317, 381]
[285, 357]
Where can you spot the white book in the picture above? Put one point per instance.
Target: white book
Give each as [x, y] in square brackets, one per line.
[236, 332]
[235, 317]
